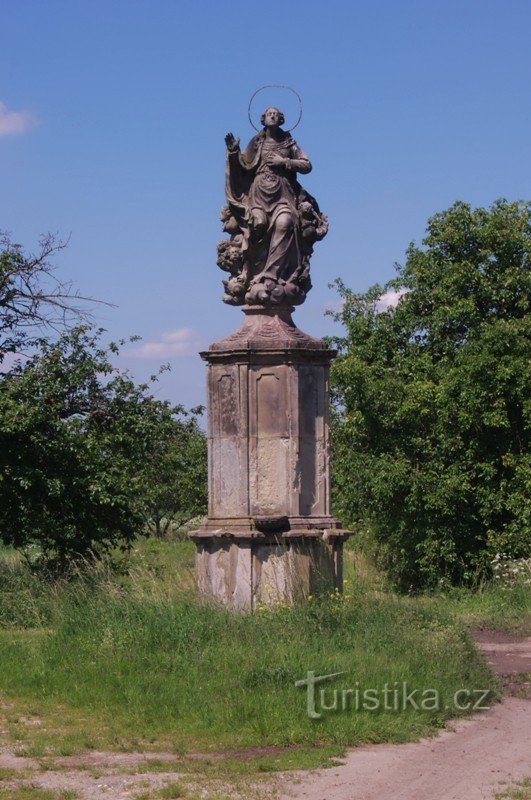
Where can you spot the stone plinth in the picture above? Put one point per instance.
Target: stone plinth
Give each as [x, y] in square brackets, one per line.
[269, 536]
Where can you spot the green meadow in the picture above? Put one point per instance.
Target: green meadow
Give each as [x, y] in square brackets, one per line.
[124, 656]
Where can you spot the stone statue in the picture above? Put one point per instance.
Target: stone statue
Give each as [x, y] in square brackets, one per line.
[269, 538]
[272, 221]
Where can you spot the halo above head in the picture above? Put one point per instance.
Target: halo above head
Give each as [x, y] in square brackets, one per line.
[275, 86]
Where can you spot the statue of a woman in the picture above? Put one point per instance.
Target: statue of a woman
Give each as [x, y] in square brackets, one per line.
[272, 221]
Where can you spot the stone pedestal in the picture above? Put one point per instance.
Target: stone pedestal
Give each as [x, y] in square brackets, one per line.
[269, 537]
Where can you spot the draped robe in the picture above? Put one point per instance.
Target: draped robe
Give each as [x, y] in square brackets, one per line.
[258, 191]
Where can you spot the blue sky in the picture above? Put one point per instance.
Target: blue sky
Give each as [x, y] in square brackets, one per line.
[113, 115]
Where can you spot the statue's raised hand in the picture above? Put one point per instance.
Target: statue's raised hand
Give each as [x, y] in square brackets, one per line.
[232, 143]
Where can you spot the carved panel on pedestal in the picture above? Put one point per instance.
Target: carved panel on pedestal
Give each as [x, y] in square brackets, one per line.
[227, 445]
[270, 432]
[311, 467]
[227, 406]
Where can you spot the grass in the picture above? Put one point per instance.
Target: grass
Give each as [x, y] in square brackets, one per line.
[493, 607]
[134, 661]
[519, 791]
[247, 763]
[171, 790]
[124, 657]
[29, 792]
[175, 789]
[7, 774]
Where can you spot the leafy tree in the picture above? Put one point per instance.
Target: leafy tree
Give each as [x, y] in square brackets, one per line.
[82, 448]
[174, 471]
[432, 400]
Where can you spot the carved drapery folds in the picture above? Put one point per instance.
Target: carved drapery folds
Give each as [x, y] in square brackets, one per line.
[272, 222]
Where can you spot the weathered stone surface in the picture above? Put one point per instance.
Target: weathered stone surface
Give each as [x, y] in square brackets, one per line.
[268, 466]
[224, 572]
[268, 424]
[267, 329]
[246, 573]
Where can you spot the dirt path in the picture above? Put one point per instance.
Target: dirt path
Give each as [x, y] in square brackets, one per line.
[468, 762]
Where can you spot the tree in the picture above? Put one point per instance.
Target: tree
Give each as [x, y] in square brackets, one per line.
[432, 400]
[175, 474]
[32, 297]
[81, 449]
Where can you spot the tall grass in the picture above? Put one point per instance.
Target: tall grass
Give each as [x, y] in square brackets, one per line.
[137, 658]
[27, 600]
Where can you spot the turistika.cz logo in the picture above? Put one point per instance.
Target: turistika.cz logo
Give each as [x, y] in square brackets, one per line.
[396, 696]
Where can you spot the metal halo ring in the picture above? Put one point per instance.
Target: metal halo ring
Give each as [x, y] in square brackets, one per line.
[275, 86]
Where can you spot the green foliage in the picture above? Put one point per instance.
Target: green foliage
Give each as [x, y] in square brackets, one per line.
[432, 400]
[175, 473]
[85, 454]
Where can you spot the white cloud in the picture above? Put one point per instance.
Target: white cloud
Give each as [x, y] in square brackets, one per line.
[15, 123]
[389, 299]
[180, 342]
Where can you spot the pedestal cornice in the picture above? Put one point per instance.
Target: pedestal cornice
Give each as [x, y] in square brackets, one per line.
[272, 332]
